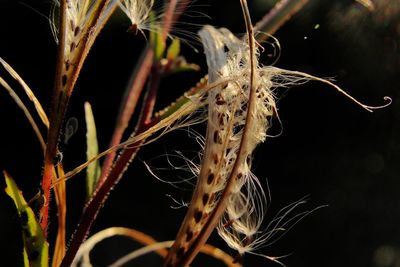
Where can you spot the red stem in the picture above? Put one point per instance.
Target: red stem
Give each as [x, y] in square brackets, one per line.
[103, 189]
[174, 10]
[128, 106]
[61, 95]
[100, 195]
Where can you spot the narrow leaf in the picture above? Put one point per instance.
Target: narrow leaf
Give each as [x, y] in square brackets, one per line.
[36, 248]
[174, 49]
[22, 106]
[156, 40]
[93, 170]
[159, 46]
[28, 91]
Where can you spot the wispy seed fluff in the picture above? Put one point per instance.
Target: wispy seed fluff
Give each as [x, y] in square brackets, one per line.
[78, 13]
[227, 155]
[239, 116]
[76, 17]
[138, 12]
[229, 56]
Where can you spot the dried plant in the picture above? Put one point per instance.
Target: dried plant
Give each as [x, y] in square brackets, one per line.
[236, 99]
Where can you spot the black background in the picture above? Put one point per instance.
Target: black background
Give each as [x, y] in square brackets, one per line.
[331, 150]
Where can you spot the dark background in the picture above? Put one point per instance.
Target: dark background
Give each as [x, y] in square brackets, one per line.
[331, 150]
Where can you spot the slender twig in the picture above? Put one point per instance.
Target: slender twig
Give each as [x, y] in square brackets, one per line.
[28, 115]
[61, 198]
[174, 10]
[54, 125]
[144, 239]
[218, 210]
[136, 235]
[273, 20]
[128, 106]
[133, 93]
[100, 195]
[63, 86]
[28, 92]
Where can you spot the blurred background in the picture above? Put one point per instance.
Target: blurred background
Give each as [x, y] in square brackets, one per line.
[331, 151]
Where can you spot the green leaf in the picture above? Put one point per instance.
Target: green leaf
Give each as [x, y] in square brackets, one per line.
[93, 170]
[156, 39]
[36, 249]
[159, 46]
[174, 49]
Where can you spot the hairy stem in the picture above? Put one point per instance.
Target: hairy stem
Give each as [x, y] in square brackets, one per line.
[100, 195]
[128, 106]
[63, 86]
[174, 9]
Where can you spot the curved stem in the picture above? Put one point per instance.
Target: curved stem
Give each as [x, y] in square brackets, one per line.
[274, 19]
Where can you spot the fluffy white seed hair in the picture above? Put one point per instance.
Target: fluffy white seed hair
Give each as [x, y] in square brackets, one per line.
[77, 16]
[246, 107]
[230, 56]
[138, 12]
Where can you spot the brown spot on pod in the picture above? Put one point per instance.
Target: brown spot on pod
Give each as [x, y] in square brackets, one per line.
[72, 46]
[189, 235]
[64, 80]
[221, 117]
[210, 178]
[206, 197]
[239, 176]
[198, 214]
[217, 138]
[67, 64]
[72, 24]
[77, 31]
[215, 158]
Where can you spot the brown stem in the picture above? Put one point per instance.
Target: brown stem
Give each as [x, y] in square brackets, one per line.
[172, 13]
[60, 193]
[273, 20]
[63, 87]
[51, 140]
[128, 106]
[100, 195]
[218, 210]
[132, 95]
